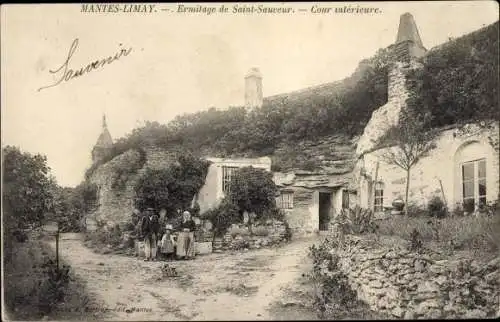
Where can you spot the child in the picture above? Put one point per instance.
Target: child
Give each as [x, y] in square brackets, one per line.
[167, 243]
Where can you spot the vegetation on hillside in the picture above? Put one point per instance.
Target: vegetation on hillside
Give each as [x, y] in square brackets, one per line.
[459, 81]
[457, 84]
[237, 131]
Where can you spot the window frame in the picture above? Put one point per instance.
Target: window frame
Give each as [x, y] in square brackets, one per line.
[477, 197]
[227, 174]
[289, 203]
[378, 197]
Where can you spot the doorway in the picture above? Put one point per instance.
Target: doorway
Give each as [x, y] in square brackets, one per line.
[325, 206]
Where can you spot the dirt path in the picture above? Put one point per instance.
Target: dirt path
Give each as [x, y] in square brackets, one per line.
[237, 286]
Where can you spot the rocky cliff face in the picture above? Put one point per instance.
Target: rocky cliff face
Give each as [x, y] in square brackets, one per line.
[116, 180]
[331, 155]
[387, 115]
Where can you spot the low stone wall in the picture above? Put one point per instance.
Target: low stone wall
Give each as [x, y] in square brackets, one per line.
[243, 240]
[409, 285]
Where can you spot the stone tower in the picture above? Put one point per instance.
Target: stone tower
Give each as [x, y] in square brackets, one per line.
[403, 55]
[253, 88]
[104, 143]
[408, 45]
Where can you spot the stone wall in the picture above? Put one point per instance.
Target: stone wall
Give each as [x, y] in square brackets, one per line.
[409, 285]
[115, 204]
[239, 238]
[300, 218]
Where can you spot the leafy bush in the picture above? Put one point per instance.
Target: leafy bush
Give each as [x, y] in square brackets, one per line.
[436, 207]
[253, 190]
[27, 193]
[222, 217]
[334, 297]
[356, 220]
[171, 188]
[458, 211]
[52, 289]
[416, 210]
[416, 244]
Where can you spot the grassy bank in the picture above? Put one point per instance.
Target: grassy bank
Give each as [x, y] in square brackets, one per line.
[30, 296]
[477, 235]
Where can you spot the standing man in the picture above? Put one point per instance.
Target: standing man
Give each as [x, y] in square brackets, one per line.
[150, 227]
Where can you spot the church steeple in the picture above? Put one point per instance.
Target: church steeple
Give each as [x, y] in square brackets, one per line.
[103, 144]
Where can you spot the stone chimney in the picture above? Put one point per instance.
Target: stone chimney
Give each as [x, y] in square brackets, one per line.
[408, 45]
[253, 88]
[404, 54]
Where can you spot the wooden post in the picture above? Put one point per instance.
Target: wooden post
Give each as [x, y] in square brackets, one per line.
[57, 246]
[442, 193]
[372, 192]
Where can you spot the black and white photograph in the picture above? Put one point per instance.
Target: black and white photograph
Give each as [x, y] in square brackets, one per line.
[250, 161]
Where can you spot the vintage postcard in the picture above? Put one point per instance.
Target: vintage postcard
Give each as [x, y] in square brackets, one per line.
[250, 161]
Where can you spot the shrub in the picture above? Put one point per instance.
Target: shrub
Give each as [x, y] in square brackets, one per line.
[356, 220]
[466, 233]
[458, 211]
[222, 217]
[52, 288]
[172, 188]
[334, 298]
[436, 207]
[253, 190]
[416, 210]
[416, 244]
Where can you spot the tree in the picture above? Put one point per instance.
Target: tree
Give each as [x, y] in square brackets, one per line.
[27, 193]
[171, 188]
[413, 140]
[253, 190]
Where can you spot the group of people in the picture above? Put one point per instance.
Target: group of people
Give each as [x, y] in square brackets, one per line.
[163, 240]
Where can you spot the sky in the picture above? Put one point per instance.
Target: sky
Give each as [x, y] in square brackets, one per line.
[181, 63]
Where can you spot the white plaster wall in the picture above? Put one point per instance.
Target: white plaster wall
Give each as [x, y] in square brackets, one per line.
[440, 164]
[211, 192]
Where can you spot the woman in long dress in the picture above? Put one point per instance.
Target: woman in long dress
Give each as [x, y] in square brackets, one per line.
[185, 241]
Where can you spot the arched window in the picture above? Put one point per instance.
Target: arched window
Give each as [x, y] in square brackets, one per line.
[378, 202]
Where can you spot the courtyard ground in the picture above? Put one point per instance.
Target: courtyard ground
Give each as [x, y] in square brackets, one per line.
[254, 285]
